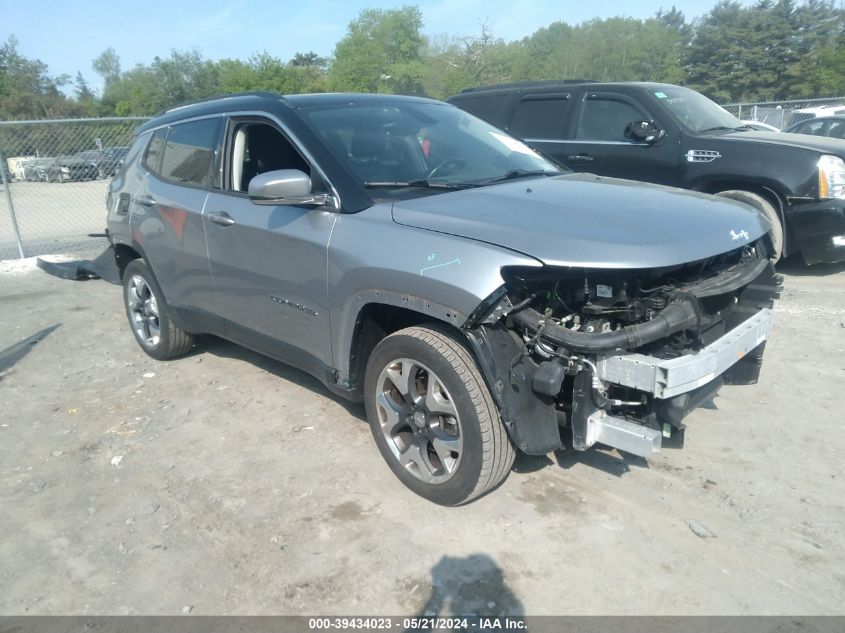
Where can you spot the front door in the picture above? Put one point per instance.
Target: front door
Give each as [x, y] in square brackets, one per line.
[269, 263]
[599, 145]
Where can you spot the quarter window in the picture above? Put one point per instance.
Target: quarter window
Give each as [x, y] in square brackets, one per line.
[153, 156]
[605, 119]
[538, 118]
[189, 152]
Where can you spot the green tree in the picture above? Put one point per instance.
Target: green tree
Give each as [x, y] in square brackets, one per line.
[27, 91]
[107, 65]
[381, 52]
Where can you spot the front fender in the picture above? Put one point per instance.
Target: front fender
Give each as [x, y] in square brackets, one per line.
[374, 260]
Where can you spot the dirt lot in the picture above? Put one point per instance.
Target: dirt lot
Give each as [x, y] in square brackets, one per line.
[227, 483]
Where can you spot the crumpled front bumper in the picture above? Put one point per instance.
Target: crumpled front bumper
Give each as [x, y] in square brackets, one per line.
[678, 385]
[666, 378]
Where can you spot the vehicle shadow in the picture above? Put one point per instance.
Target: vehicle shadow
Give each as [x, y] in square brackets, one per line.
[224, 349]
[795, 266]
[604, 458]
[13, 353]
[468, 586]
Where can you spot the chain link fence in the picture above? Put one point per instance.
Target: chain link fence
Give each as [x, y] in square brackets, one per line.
[782, 114]
[55, 174]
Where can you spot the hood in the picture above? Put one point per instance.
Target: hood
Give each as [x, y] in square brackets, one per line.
[590, 221]
[821, 144]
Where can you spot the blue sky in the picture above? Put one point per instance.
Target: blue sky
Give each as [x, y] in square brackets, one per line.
[67, 35]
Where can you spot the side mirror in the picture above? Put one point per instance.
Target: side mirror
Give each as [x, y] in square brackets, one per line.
[286, 186]
[643, 132]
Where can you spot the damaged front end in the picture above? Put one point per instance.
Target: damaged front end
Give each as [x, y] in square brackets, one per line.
[621, 357]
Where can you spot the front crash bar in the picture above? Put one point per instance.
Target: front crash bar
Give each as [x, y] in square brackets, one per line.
[666, 378]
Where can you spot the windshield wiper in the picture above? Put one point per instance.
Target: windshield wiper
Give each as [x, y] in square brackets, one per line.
[416, 183]
[513, 174]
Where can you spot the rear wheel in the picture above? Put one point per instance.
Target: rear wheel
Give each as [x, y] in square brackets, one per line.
[433, 418]
[148, 315]
[765, 207]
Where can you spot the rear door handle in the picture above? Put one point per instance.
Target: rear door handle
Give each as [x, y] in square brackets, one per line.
[221, 217]
[146, 201]
[580, 158]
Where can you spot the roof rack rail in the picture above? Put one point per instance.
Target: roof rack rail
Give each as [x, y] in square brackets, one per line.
[228, 95]
[529, 84]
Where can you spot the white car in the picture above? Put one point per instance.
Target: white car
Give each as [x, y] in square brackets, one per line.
[759, 126]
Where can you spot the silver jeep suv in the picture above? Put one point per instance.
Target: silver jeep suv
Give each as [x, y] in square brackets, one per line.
[478, 298]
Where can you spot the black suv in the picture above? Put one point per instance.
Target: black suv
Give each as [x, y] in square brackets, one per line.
[675, 136]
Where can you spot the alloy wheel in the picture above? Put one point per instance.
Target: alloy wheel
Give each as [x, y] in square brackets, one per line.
[143, 311]
[419, 420]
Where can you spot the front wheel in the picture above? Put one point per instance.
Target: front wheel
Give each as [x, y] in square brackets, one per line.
[148, 314]
[433, 418]
[766, 208]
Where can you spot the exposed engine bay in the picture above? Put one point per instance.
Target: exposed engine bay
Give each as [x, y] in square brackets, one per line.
[621, 357]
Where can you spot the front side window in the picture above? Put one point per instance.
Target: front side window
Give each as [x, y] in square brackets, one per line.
[258, 147]
[605, 119]
[412, 142]
[189, 152]
[811, 127]
[837, 129]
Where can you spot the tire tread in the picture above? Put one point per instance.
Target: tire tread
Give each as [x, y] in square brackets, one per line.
[498, 452]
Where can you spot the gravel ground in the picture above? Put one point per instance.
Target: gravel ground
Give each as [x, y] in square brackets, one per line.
[226, 483]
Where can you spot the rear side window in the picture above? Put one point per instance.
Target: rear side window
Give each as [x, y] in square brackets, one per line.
[539, 118]
[483, 107]
[810, 127]
[605, 118]
[152, 158]
[189, 152]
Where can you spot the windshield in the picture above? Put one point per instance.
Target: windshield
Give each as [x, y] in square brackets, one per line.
[695, 111]
[92, 155]
[422, 144]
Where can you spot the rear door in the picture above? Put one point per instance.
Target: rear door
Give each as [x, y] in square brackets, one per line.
[541, 121]
[167, 211]
[269, 262]
[599, 144]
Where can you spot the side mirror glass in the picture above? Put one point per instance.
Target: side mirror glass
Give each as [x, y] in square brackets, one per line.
[286, 186]
[643, 132]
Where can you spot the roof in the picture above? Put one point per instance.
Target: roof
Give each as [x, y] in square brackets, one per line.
[559, 83]
[260, 100]
[550, 83]
[320, 99]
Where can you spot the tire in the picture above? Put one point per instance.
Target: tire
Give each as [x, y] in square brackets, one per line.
[447, 413]
[148, 314]
[765, 207]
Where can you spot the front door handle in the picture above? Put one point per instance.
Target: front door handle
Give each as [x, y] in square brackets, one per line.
[581, 158]
[222, 218]
[146, 201]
